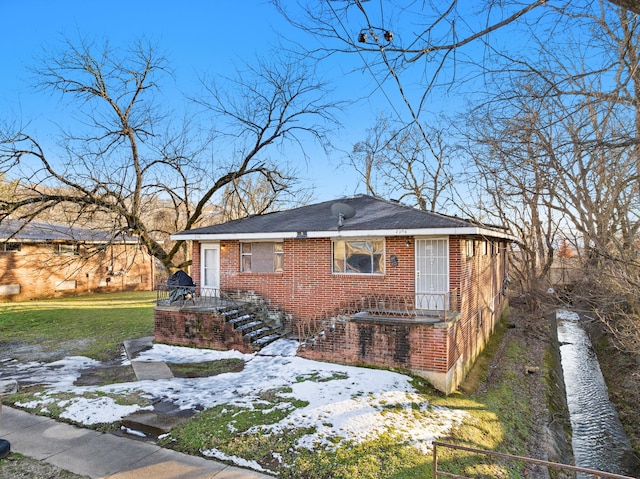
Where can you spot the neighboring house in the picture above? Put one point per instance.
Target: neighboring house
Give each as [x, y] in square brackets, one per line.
[360, 280]
[40, 260]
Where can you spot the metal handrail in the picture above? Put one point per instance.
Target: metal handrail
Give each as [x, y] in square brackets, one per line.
[199, 298]
[443, 307]
[511, 457]
[405, 305]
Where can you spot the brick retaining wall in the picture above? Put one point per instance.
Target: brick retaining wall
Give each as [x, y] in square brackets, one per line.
[202, 329]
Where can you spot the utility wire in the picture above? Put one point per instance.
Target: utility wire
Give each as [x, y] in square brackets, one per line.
[367, 66]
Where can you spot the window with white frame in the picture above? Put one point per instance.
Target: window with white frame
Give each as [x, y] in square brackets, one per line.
[66, 249]
[261, 257]
[364, 256]
[9, 247]
[471, 248]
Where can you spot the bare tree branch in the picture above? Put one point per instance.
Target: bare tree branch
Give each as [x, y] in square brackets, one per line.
[125, 165]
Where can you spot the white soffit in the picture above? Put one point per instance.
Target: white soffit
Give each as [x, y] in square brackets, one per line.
[468, 231]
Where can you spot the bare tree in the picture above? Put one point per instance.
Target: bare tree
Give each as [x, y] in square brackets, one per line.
[510, 154]
[631, 5]
[560, 138]
[123, 155]
[398, 162]
[393, 37]
[416, 48]
[248, 196]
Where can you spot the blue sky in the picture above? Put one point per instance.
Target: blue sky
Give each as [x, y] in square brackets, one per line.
[208, 37]
[196, 36]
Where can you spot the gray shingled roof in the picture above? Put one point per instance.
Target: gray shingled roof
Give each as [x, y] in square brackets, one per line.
[38, 232]
[372, 214]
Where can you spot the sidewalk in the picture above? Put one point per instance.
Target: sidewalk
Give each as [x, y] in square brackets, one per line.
[98, 455]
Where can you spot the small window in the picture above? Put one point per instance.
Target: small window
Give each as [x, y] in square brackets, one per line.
[471, 248]
[66, 249]
[485, 248]
[358, 256]
[9, 247]
[261, 258]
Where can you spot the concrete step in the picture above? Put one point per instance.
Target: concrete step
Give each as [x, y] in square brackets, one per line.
[151, 423]
[257, 333]
[146, 370]
[230, 313]
[239, 320]
[263, 341]
[249, 326]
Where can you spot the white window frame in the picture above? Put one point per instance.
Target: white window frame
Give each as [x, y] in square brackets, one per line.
[470, 248]
[344, 269]
[209, 273]
[10, 247]
[246, 256]
[432, 273]
[66, 249]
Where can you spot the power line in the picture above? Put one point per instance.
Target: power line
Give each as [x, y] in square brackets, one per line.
[367, 66]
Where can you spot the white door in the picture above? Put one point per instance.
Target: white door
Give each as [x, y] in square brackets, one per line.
[209, 269]
[432, 274]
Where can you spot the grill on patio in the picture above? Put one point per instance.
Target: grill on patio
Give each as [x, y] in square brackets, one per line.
[180, 287]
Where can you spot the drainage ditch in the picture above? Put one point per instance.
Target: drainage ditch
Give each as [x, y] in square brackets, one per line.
[598, 437]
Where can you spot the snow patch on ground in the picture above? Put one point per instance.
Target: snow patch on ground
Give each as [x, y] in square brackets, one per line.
[216, 454]
[182, 355]
[103, 410]
[345, 403]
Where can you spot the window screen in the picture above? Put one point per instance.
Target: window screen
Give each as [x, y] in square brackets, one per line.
[261, 257]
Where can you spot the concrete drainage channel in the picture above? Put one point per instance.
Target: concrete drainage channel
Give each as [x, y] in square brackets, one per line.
[598, 437]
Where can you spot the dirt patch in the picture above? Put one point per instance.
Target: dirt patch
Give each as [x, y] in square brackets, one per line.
[114, 372]
[16, 466]
[203, 370]
[548, 440]
[45, 351]
[534, 332]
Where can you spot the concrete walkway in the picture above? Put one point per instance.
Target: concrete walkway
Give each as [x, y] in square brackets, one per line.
[145, 370]
[98, 455]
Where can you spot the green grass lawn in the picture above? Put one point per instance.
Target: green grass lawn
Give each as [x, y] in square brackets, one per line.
[92, 325]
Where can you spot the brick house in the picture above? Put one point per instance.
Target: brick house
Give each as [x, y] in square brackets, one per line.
[360, 280]
[41, 260]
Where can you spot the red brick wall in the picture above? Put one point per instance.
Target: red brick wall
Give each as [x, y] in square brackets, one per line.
[203, 329]
[308, 288]
[38, 273]
[481, 280]
[447, 348]
[195, 262]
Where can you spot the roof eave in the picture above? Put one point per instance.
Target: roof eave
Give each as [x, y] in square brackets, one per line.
[60, 240]
[462, 231]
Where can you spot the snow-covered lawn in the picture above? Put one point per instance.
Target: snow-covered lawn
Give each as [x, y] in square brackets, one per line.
[343, 403]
